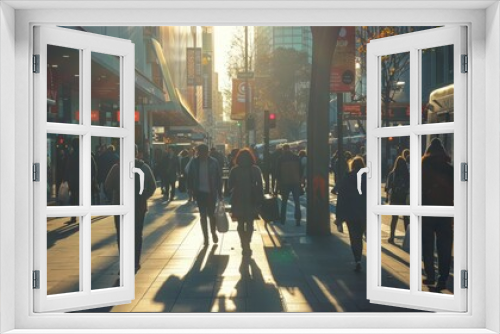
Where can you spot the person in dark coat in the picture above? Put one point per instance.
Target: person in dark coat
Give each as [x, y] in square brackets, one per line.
[245, 183]
[204, 180]
[437, 190]
[183, 161]
[72, 174]
[104, 163]
[170, 168]
[112, 185]
[398, 188]
[351, 208]
[288, 172]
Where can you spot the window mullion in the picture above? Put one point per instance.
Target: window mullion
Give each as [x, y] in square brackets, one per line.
[85, 236]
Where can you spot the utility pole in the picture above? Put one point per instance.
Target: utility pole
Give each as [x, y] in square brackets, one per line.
[247, 91]
[266, 150]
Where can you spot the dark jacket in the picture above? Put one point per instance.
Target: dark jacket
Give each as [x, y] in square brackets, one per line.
[246, 188]
[288, 169]
[437, 181]
[350, 204]
[214, 176]
[112, 185]
[170, 167]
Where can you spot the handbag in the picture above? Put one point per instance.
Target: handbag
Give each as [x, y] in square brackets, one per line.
[269, 210]
[63, 194]
[221, 219]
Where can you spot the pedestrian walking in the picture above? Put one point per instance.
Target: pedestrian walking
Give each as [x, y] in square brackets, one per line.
[183, 161]
[205, 181]
[397, 187]
[72, 174]
[104, 163]
[303, 171]
[273, 161]
[437, 190]
[112, 185]
[351, 208]
[289, 177]
[170, 169]
[245, 182]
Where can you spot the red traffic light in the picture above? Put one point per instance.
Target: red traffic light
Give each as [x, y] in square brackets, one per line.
[272, 116]
[272, 121]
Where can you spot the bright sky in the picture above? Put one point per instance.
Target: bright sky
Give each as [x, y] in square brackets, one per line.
[222, 40]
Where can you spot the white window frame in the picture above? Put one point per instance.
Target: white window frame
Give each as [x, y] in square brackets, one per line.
[414, 44]
[86, 44]
[484, 26]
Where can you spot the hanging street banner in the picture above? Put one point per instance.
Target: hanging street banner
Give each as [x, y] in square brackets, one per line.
[343, 71]
[238, 111]
[193, 62]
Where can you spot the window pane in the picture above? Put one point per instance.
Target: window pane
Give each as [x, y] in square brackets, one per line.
[63, 255]
[63, 84]
[105, 170]
[437, 254]
[395, 89]
[395, 167]
[63, 170]
[105, 90]
[394, 251]
[437, 170]
[437, 84]
[105, 252]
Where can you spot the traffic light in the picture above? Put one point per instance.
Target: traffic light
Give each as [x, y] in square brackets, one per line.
[272, 121]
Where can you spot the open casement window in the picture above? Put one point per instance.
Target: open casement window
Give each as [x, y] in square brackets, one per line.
[84, 101]
[416, 93]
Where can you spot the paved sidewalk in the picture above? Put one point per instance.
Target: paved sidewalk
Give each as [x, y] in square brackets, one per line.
[287, 272]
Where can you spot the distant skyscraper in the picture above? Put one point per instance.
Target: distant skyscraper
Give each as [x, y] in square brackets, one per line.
[272, 38]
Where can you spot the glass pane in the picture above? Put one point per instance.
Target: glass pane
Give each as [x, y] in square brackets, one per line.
[63, 170]
[395, 167]
[437, 254]
[395, 248]
[437, 84]
[395, 89]
[63, 255]
[105, 171]
[105, 252]
[63, 84]
[105, 90]
[437, 170]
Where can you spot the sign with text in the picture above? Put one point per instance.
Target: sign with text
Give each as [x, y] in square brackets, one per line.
[238, 111]
[343, 72]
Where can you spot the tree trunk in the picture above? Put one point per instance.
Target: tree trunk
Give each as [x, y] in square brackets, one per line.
[318, 127]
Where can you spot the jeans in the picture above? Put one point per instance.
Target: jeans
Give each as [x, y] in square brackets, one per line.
[206, 206]
[139, 225]
[285, 193]
[356, 230]
[440, 231]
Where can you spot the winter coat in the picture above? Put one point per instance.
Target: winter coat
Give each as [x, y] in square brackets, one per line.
[246, 188]
[437, 181]
[214, 176]
[288, 169]
[351, 205]
[112, 185]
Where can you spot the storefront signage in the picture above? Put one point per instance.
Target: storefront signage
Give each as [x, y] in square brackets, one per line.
[343, 73]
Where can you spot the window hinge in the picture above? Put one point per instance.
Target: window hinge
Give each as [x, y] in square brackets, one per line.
[36, 63]
[36, 279]
[465, 64]
[464, 171]
[36, 172]
[465, 279]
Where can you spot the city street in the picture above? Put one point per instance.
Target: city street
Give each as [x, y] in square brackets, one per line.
[288, 271]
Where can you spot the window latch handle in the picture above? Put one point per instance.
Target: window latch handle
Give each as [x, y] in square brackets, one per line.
[360, 174]
[139, 171]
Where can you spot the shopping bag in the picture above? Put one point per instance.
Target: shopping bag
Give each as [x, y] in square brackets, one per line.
[63, 194]
[221, 219]
[269, 210]
[406, 240]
